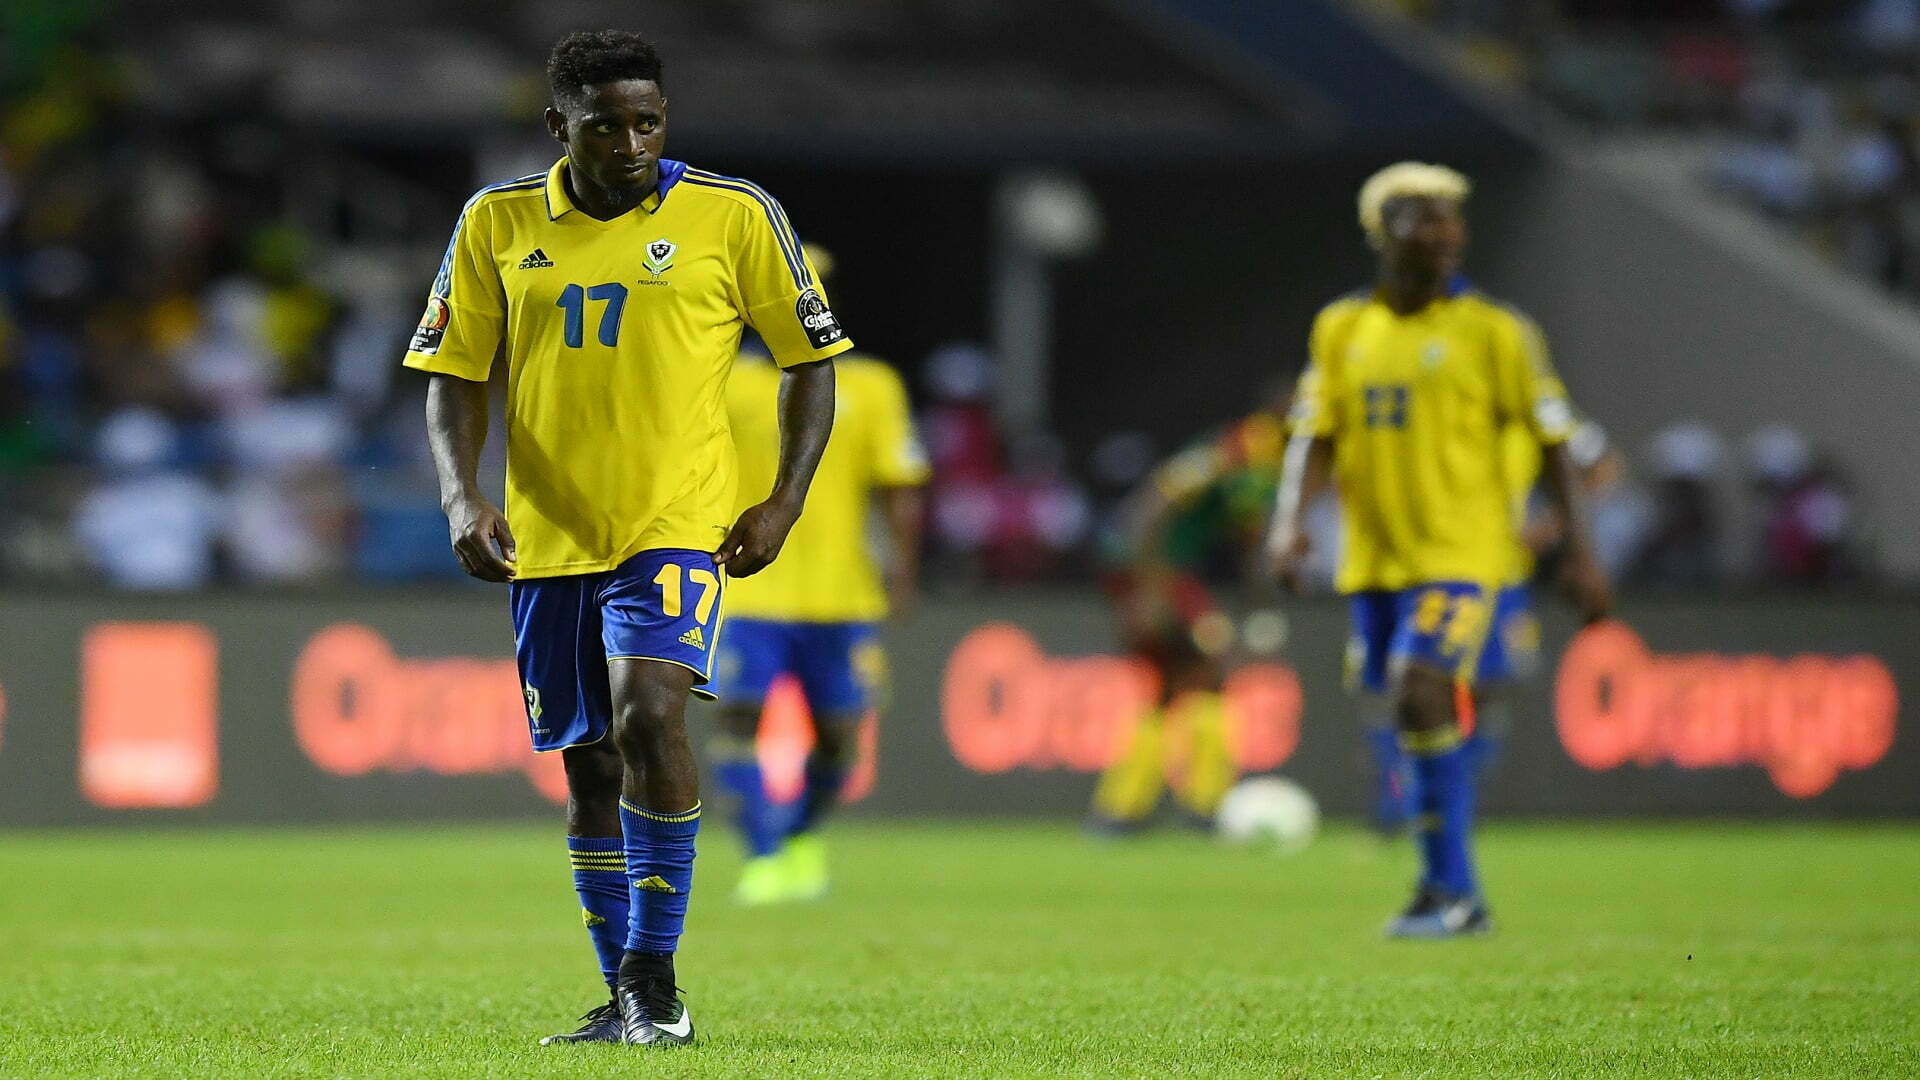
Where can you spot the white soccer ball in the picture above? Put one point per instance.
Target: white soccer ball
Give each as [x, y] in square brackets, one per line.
[1268, 810]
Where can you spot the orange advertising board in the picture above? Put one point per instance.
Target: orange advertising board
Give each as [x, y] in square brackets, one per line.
[149, 716]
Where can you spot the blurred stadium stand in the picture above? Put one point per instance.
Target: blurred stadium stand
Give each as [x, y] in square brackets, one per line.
[216, 219]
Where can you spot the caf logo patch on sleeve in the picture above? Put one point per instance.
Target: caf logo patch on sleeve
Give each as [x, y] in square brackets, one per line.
[822, 328]
[433, 327]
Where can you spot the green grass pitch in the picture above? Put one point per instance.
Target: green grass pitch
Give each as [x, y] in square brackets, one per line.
[977, 950]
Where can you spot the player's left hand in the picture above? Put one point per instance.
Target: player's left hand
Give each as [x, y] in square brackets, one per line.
[756, 538]
[1588, 587]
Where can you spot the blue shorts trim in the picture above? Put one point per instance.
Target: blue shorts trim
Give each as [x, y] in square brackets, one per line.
[666, 605]
[1512, 650]
[840, 665]
[1441, 624]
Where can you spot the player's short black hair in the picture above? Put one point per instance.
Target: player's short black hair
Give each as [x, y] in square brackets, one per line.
[590, 57]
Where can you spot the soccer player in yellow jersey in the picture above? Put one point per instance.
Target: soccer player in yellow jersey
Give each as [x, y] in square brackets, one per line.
[616, 286]
[1406, 391]
[815, 614]
[1511, 651]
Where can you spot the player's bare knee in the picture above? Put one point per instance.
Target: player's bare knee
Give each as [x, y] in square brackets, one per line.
[1425, 700]
[639, 730]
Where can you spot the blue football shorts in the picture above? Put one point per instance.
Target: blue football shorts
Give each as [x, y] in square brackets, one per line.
[661, 605]
[1441, 624]
[841, 666]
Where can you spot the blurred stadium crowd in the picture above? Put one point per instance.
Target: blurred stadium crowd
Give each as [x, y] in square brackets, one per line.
[192, 394]
[1802, 109]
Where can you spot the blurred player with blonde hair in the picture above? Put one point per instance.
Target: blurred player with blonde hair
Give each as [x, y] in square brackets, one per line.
[1408, 388]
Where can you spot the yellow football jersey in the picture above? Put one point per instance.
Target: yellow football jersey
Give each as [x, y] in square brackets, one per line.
[827, 571]
[619, 336]
[1415, 405]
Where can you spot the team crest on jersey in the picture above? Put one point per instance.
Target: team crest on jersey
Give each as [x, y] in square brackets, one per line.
[1433, 354]
[433, 327]
[822, 328]
[660, 256]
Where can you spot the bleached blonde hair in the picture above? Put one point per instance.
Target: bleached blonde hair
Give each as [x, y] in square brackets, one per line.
[1404, 179]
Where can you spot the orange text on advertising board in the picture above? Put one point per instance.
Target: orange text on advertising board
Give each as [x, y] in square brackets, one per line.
[1006, 704]
[358, 708]
[1804, 719]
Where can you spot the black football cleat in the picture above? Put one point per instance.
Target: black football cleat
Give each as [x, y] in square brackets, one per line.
[601, 1025]
[1436, 914]
[655, 1015]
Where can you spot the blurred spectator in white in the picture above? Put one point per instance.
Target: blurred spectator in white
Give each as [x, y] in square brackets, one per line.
[148, 525]
[1620, 514]
[1683, 546]
[290, 518]
[1807, 517]
[224, 365]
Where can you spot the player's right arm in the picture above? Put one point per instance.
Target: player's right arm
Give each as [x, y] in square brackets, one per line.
[456, 343]
[1307, 469]
[456, 432]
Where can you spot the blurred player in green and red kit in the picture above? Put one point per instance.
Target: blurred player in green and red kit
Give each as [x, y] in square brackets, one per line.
[1200, 515]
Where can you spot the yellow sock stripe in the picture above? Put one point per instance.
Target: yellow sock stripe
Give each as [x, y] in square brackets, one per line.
[651, 816]
[618, 862]
[1430, 743]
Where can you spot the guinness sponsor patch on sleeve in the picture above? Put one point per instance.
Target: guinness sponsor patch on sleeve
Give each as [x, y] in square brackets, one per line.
[821, 327]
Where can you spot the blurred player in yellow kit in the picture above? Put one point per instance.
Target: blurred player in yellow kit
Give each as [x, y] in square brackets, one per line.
[1408, 388]
[815, 615]
[1203, 509]
[1511, 652]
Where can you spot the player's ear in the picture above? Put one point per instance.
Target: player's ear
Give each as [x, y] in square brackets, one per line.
[557, 124]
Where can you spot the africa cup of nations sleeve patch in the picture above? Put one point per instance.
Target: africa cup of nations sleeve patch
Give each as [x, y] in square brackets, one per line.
[822, 328]
[433, 327]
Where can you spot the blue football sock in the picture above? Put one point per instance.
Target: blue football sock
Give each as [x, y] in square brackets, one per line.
[825, 778]
[600, 877]
[1443, 786]
[1482, 749]
[660, 873]
[1392, 799]
[758, 818]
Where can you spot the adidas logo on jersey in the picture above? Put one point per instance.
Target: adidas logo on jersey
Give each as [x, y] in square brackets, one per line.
[694, 638]
[536, 260]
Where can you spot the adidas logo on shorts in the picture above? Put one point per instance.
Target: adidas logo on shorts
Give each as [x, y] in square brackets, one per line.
[535, 260]
[694, 638]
